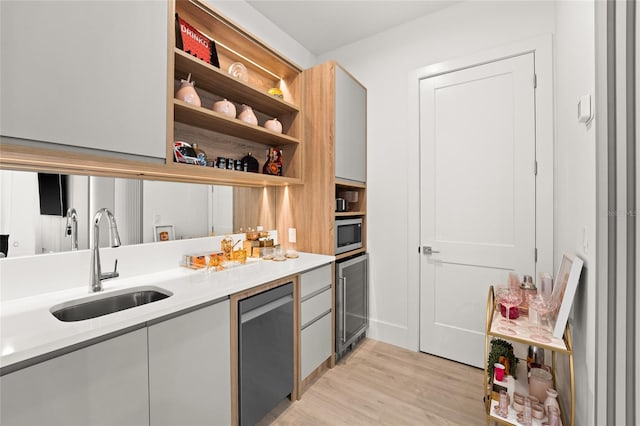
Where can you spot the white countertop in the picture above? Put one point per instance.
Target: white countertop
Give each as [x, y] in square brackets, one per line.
[28, 329]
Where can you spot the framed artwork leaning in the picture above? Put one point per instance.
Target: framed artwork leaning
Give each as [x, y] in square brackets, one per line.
[163, 233]
[564, 290]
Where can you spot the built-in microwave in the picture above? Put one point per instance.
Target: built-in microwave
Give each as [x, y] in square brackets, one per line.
[348, 235]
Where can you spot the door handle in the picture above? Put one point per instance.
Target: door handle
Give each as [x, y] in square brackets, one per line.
[428, 250]
[344, 309]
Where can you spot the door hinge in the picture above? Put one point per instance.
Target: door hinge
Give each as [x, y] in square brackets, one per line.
[535, 255]
[418, 249]
[535, 168]
[535, 81]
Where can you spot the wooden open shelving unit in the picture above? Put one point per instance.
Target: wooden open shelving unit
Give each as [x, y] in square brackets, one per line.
[215, 133]
[221, 136]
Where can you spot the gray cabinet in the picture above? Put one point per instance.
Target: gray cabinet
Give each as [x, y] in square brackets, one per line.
[103, 384]
[351, 127]
[315, 323]
[88, 74]
[189, 368]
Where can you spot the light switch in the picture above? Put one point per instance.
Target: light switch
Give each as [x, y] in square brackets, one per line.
[584, 109]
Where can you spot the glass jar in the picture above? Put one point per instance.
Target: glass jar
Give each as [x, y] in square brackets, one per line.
[539, 382]
[226, 245]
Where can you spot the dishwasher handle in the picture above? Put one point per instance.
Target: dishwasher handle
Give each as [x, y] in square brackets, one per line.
[261, 310]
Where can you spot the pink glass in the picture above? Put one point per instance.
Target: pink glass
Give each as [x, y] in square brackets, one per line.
[527, 412]
[554, 417]
[509, 298]
[543, 305]
[501, 294]
[504, 404]
[499, 369]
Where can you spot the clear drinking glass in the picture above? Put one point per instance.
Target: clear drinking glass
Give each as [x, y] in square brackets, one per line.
[543, 305]
[501, 294]
[511, 297]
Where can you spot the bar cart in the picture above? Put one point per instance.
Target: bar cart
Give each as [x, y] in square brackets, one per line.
[557, 347]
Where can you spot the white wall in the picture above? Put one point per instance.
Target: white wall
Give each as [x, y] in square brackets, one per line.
[19, 211]
[257, 24]
[185, 206]
[576, 184]
[383, 63]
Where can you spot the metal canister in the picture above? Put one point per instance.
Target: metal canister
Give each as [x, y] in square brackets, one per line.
[535, 357]
[527, 287]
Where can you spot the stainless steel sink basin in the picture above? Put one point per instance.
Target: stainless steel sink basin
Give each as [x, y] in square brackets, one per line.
[87, 309]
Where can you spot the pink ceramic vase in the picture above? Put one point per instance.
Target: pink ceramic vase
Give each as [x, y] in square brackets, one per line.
[187, 92]
[551, 400]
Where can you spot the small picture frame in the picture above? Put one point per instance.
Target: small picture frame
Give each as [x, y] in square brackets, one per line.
[163, 233]
[564, 290]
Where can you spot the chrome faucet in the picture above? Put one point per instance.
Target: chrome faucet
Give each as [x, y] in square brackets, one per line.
[96, 272]
[72, 227]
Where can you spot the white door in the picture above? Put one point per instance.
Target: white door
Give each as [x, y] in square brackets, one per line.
[477, 148]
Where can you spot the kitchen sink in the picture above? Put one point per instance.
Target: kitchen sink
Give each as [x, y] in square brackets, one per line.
[87, 309]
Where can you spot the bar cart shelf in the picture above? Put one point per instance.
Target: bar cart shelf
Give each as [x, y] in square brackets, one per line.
[557, 347]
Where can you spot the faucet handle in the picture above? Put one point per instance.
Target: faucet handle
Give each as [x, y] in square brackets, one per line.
[109, 275]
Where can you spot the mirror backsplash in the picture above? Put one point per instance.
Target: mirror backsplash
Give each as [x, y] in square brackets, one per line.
[143, 209]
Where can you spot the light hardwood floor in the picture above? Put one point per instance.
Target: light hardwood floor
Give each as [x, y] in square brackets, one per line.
[382, 384]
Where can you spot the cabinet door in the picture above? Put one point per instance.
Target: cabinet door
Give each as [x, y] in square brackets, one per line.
[189, 368]
[315, 321]
[103, 384]
[315, 280]
[351, 128]
[85, 73]
[315, 345]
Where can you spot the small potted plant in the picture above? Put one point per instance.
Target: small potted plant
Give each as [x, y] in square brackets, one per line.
[502, 352]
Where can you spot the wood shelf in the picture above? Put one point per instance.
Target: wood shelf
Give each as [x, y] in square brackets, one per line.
[211, 120]
[221, 83]
[350, 253]
[350, 184]
[232, 177]
[354, 213]
[16, 157]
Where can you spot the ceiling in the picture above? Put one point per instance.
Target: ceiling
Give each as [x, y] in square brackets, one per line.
[324, 25]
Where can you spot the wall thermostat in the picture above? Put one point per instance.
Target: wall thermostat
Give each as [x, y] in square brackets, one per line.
[584, 109]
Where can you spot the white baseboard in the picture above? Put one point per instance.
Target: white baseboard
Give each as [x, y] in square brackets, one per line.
[394, 334]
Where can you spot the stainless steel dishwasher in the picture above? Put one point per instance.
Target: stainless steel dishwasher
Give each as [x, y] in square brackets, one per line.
[265, 352]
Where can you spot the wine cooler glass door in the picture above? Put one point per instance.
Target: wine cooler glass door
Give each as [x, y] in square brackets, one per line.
[352, 295]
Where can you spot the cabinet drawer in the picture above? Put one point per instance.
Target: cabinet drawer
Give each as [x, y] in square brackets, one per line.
[314, 280]
[315, 306]
[315, 345]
